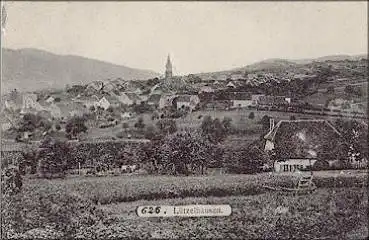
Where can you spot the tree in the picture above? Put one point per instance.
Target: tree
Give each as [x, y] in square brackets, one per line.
[140, 123]
[151, 133]
[351, 90]
[125, 126]
[227, 123]
[214, 130]
[75, 126]
[265, 121]
[355, 136]
[292, 117]
[54, 158]
[251, 115]
[248, 160]
[166, 126]
[11, 181]
[330, 90]
[186, 153]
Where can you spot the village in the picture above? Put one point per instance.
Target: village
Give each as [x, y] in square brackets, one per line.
[184, 120]
[119, 110]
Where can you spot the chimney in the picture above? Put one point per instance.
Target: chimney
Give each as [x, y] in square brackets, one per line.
[271, 124]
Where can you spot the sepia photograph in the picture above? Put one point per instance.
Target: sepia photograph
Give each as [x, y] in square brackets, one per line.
[184, 120]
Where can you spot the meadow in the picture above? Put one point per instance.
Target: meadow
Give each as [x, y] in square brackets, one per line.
[126, 188]
[104, 207]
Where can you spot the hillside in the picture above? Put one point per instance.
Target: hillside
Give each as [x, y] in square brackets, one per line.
[279, 64]
[31, 69]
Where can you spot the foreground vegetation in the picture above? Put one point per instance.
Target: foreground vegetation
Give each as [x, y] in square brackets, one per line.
[324, 214]
[104, 207]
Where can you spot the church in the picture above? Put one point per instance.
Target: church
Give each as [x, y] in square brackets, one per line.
[168, 69]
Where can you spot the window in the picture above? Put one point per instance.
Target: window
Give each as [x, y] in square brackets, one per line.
[285, 168]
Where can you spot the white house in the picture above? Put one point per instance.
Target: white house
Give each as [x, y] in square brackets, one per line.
[293, 164]
[190, 101]
[30, 102]
[240, 100]
[231, 84]
[103, 103]
[50, 99]
[299, 144]
[206, 89]
[166, 101]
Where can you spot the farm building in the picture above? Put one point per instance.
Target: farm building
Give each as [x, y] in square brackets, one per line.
[298, 144]
[240, 99]
[273, 100]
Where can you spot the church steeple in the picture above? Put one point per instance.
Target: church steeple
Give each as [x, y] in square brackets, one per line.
[168, 68]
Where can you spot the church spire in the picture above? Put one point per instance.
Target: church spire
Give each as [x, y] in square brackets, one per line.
[168, 68]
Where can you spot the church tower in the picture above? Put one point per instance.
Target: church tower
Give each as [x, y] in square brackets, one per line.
[168, 69]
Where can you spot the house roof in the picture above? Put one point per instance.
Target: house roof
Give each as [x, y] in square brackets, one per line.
[304, 138]
[183, 98]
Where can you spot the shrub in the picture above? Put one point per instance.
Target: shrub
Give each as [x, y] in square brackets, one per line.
[47, 210]
[252, 115]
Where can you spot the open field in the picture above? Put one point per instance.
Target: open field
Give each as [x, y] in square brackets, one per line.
[105, 190]
[323, 215]
[65, 207]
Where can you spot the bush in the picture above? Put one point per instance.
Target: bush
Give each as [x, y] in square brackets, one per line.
[47, 210]
[252, 115]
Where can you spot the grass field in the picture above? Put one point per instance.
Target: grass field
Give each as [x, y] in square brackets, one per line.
[113, 189]
[336, 210]
[324, 215]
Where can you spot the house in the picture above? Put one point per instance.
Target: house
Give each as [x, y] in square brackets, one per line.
[126, 115]
[103, 103]
[87, 102]
[240, 99]
[183, 101]
[13, 101]
[255, 98]
[206, 89]
[300, 144]
[64, 110]
[30, 102]
[94, 87]
[340, 104]
[231, 84]
[166, 101]
[50, 99]
[268, 100]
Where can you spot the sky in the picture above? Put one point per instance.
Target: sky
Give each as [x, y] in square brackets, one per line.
[199, 36]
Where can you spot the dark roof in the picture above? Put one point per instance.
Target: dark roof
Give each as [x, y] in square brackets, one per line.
[183, 98]
[304, 138]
